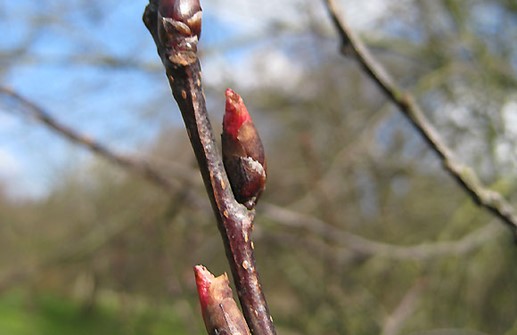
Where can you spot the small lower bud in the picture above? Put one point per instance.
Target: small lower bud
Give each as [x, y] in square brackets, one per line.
[220, 312]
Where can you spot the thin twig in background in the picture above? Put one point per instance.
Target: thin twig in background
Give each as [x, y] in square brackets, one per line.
[351, 44]
[368, 248]
[141, 167]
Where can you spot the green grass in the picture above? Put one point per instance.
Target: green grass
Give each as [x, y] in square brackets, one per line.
[53, 315]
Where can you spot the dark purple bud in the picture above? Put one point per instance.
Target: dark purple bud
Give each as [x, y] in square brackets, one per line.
[179, 28]
[183, 15]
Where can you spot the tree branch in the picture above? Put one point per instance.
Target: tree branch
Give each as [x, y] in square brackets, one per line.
[351, 44]
[175, 30]
[139, 167]
[366, 247]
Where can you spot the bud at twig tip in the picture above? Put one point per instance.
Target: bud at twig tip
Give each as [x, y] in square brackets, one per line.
[179, 29]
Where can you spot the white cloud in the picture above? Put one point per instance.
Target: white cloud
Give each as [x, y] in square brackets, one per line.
[263, 68]
[505, 149]
[19, 179]
[360, 14]
[253, 16]
[270, 66]
[509, 112]
[9, 165]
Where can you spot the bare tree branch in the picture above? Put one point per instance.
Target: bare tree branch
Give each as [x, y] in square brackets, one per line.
[141, 167]
[351, 44]
[175, 26]
[366, 247]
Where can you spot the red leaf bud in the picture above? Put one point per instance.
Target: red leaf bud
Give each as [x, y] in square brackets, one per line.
[243, 152]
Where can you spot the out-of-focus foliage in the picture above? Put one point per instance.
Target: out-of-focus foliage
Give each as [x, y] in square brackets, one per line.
[47, 314]
[359, 231]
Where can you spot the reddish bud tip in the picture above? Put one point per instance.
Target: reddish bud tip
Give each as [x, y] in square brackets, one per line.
[220, 312]
[203, 281]
[235, 114]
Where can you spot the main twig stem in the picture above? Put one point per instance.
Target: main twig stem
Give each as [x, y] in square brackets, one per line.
[351, 44]
[235, 221]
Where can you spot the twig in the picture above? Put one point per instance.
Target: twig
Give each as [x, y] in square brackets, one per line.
[351, 44]
[175, 30]
[139, 167]
[366, 247]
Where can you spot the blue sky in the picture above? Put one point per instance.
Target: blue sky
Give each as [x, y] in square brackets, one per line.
[125, 106]
[61, 73]
[60, 70]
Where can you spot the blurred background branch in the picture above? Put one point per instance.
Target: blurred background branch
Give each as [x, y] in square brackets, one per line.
[351, 44]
